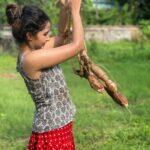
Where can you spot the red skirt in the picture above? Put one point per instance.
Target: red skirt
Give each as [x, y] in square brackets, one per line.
[58, 139]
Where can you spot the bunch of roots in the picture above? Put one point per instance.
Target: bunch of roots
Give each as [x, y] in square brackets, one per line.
[98, 79]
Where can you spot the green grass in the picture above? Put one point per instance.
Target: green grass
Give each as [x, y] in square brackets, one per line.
[100, 124]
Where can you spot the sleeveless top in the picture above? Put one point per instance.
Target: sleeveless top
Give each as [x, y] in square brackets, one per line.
[53, 104]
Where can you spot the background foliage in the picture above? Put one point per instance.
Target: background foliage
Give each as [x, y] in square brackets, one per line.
[124, 11]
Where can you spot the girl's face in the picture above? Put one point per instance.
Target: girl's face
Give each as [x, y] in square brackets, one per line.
[39, 40]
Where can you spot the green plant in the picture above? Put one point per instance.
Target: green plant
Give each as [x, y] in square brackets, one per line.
[145, 28]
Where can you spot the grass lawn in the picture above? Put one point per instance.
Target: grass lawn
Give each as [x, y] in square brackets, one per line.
[100, 124]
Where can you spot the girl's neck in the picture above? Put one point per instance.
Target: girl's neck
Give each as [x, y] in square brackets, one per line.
[25, 49]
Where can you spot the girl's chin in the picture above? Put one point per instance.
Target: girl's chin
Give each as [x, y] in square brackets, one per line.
[40, 47]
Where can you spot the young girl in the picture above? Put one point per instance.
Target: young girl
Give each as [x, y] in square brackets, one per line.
[38, 63]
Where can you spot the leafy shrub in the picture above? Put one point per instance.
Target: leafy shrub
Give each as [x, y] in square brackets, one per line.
[115, 16]
[145, 27]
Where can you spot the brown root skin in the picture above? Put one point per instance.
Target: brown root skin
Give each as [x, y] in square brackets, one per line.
[98, 79]
[111, 86]
[95, 84]
[118, 97]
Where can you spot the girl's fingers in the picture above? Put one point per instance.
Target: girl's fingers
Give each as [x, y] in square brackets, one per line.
[65, 2]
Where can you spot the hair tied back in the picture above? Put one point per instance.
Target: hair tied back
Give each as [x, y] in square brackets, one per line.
[13, 13]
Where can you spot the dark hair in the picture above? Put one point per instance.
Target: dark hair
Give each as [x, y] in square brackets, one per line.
[23, 20]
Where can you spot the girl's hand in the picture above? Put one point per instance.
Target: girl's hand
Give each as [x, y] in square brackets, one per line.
[65, 3]
[75, 5]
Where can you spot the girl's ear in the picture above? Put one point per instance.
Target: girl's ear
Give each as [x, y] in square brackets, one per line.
[29, 36]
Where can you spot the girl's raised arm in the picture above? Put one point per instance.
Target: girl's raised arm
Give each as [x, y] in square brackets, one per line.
[44, 58]
[58, 40]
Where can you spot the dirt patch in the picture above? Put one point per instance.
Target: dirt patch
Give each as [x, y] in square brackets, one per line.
[7, 75]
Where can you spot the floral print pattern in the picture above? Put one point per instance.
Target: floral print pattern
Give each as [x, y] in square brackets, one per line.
[54, 106]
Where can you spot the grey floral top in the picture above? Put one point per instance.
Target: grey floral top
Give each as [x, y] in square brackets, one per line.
[53, 105]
